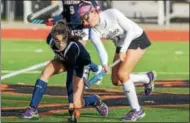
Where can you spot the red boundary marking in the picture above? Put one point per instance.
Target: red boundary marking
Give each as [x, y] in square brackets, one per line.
[41, 34]
[168, 35]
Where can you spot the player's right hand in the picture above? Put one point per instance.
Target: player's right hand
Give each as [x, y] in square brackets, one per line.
[106, 68]
[49, 22]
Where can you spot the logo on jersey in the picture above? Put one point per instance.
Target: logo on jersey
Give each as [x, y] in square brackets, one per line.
[111, 34]
[71, 2]
[78, 33]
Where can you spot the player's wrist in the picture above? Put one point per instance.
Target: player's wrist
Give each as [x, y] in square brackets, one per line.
[105, 68]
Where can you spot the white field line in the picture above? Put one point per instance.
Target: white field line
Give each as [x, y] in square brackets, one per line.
[37, 72]
[33, 67]
[28, 72]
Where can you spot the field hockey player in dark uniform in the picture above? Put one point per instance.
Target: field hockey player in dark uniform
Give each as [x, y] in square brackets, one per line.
[69, 55]
[70, 13]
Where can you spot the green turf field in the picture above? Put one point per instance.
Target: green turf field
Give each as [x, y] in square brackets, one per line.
[169, 59]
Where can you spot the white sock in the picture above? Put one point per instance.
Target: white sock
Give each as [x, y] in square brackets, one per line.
[140, 78]
[129, 90]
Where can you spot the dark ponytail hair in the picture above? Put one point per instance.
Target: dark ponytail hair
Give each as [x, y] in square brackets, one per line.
[61, 28]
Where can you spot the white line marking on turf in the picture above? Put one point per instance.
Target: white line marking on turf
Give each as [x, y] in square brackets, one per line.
[39, 50]
[33, 67]
[28, 72]
[24, 50]
[179, 52]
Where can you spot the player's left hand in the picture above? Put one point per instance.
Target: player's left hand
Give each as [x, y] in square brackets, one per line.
[122, 56]
[49, 22]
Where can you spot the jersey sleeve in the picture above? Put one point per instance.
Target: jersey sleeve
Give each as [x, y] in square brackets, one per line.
[125, 23]
[57, 18]
[71, 55]
[96, 40]
[86, 32]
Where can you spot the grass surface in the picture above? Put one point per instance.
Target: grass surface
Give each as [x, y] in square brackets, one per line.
[169, 59]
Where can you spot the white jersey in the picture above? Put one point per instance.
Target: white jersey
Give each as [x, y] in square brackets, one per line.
[114, 25]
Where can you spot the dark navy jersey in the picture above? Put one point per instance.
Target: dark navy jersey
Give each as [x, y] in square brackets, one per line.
[73, 56]
[70, 13]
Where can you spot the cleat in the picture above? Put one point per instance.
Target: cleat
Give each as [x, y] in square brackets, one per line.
[101, 107]
[30, 113]
[150, 86]
[134, 115]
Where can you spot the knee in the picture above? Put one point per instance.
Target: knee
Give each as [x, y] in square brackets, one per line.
[115, 80]
[45, 75]
[123, 76]
[116, 83]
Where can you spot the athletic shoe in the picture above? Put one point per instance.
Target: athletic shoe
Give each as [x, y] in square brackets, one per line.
[99, 70]
[150, 86]
[134, 115]
[30, 113]
[101, 107]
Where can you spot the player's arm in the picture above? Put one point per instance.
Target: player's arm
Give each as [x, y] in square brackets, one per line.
[72, 55]
[96, 40]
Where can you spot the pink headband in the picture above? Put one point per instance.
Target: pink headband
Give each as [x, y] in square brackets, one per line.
[85, 9]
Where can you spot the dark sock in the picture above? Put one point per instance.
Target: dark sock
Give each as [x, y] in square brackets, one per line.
[91, 100]
[38, 92]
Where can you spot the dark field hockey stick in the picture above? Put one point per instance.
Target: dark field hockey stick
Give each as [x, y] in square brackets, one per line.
[42, 21]
[31, 19]
[94, 79]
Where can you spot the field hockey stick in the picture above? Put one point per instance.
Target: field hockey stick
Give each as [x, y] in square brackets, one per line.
[43, 21]
[94, 79]
[32, 19]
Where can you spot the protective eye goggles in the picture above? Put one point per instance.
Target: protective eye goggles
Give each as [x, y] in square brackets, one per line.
[63, 40]
[86, 15]
[85, 11]
[60, 44]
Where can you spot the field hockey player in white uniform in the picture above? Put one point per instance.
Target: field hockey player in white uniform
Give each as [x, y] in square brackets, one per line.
[131, 43]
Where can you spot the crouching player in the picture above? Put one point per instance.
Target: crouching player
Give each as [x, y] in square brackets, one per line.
[70, 13]
[75, 56]
[70, 56]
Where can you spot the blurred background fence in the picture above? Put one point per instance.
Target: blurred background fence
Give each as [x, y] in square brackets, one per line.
[157, 12]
